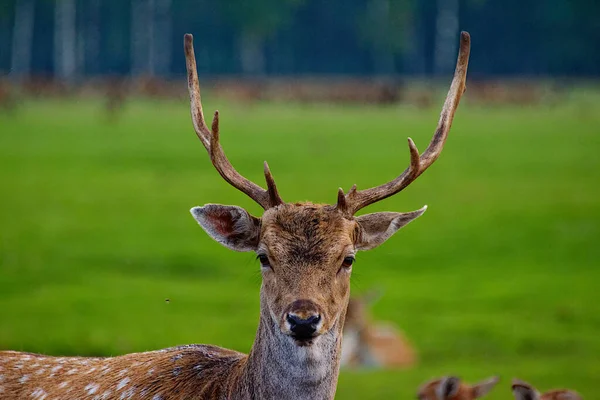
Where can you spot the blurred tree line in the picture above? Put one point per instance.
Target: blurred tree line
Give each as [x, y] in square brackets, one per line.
[75, 38]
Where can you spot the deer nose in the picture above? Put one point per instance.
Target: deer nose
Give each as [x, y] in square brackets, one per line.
[303, 328]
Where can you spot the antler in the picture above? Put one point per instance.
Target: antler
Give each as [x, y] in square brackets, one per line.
[355, 200]
[266, 198]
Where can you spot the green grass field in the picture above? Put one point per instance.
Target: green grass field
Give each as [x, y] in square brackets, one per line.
[500, 276]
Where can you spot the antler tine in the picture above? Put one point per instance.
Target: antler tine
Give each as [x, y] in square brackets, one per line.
[266, 198]
[355, 200]
[272, 191]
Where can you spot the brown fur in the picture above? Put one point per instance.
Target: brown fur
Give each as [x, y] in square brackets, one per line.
[177, 373]
[306, 244]
[452, 388]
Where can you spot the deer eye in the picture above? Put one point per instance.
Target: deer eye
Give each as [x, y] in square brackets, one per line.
[348, 261]
[264, 260]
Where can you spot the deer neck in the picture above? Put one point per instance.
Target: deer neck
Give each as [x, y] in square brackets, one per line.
[277, 368]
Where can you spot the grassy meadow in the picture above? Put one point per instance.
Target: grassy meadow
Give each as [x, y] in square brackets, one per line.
[500, 276]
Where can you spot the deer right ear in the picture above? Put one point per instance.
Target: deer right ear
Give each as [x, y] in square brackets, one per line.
[524, 391]
[378, 227]
[231, 226]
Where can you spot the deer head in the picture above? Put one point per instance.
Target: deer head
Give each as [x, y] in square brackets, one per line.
[524, 391]
[452, 388]
[306, 251]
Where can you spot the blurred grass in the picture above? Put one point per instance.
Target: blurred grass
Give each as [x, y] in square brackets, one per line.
[500, 276]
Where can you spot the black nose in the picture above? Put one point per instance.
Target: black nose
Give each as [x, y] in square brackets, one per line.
[303, 328]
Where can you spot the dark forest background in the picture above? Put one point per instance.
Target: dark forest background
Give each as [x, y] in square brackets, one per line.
[76, 38]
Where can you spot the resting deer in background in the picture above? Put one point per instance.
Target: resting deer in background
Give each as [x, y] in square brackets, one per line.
[306, 252]
[367, 343]
[524, 391]
[452, 388]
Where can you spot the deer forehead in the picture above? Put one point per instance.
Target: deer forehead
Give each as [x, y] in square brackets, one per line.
[306, 232]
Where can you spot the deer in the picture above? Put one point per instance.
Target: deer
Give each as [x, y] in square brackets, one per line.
[372, 344]
[306, 253]
[452, 388]
[524, 391]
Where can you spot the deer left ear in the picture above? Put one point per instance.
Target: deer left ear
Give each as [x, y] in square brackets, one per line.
[231, 226]
[378, 227]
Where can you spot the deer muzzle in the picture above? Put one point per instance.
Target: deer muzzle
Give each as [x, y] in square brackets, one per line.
[303, 321]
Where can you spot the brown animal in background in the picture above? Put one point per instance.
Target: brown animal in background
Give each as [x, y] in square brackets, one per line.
[524, 391]
[452, 388]
[373, 344]
[306, 252]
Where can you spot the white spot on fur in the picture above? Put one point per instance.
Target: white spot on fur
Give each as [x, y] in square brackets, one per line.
[157, 397]
[54, 369]
[92, 388]
[40, 371]
[1, 377]
[123, 371]
[35, 365]
[91, 370]
[71, 371]
[123, 383]
[24, 379]
[127, 394]
[106, 394]
[150, 371]
[63, 385]
[39, 394]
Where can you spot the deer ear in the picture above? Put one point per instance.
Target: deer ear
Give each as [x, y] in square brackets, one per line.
[482, 388]
[378, 227]
[524, 391]
[448, 387]
[231, 226]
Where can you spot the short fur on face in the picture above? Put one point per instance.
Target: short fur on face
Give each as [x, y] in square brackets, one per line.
[452, 388]
[306, 246]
